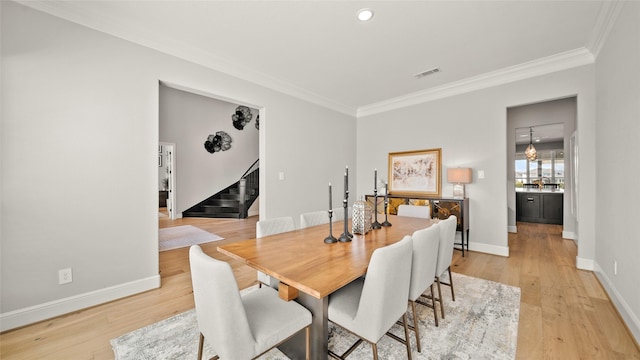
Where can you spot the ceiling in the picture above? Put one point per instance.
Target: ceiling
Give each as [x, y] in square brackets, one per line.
[540, 134]
[320, 52]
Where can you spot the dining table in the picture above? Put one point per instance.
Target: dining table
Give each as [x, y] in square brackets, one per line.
[310, 270]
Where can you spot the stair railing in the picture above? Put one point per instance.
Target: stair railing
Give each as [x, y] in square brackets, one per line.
[248, 180]
[254, 166]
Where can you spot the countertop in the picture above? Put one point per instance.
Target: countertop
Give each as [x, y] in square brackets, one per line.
[537, 191]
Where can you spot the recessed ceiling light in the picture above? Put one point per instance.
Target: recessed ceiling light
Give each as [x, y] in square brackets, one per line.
[365, 14]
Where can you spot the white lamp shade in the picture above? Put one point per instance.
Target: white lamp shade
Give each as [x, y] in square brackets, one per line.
[459, 175]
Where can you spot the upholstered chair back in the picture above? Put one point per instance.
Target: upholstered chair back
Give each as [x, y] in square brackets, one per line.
[274, 226]
[447, 239]
[425, 259]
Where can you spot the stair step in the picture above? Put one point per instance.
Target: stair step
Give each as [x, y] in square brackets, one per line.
[206, 215]
[214, 209]
[222, 202]
[233, 197]
[228, 215]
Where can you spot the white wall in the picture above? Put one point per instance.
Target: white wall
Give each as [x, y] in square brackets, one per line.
[79, 160]
[311, 149]
[187, 119]
[618, 193]
[471, 129]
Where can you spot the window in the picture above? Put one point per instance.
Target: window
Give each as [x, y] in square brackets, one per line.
[549, 166]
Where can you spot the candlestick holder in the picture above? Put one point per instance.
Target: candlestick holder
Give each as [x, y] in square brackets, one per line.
[386, 217]
[376, 224]
[330, 239]
[346, 211]
[345, 205]
[346, 236]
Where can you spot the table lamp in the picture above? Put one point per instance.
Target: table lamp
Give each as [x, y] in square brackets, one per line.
[459, 177]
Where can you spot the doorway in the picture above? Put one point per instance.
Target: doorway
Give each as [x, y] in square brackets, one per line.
[547, 118]
[539, 174]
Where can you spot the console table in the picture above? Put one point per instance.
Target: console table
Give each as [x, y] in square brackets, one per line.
[440, 207]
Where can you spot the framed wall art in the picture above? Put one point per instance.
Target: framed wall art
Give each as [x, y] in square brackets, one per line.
[416, 172]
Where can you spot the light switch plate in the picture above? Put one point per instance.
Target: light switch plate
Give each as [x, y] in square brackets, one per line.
[480, 174]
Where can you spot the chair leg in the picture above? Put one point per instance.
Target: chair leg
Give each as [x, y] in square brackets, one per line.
[200, 346]
[440, 296]
[415, 325]
[406, 335]
[308, 343]
[433, 305]
[374, 347]
[435, 308]
[453, 296]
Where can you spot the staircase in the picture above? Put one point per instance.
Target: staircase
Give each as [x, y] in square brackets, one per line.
[232, 202]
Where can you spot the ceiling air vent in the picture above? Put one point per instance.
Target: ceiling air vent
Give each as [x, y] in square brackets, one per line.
[426, 73]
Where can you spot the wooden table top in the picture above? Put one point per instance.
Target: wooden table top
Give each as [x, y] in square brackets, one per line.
[301, 259]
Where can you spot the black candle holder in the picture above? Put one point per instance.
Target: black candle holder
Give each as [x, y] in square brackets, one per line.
[376, 224]
[330, 239]
[386, 217]
[346, 235]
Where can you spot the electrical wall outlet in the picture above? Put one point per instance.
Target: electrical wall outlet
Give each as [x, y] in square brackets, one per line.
[65, 276]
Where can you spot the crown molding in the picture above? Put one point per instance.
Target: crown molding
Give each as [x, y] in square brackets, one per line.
[550, 64]
[607, 17]
[136, 34]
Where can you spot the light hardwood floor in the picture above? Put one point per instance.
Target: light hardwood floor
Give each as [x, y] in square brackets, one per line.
[564, 312]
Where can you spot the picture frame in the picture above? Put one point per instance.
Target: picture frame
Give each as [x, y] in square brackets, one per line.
[416, 173]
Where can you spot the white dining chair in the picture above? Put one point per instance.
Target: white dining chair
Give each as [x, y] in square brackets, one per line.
[271, 227]
[314, 218]
[414, 211]
[240, 326]
[445, 256]
[274, 226]
[423, 271]
[368, 307]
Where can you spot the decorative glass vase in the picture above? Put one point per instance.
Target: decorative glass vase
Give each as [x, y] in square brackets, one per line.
[361, 217]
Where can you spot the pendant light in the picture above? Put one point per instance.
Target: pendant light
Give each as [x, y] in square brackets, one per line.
[531, 152]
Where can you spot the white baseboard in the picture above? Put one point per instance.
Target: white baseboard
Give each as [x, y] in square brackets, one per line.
[584, 264]
[490, 249]
[568, 235]
[512, 229]
[21, 317]
[627, 314]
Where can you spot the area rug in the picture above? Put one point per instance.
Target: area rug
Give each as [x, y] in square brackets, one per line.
[481, 324]
[183, 236]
